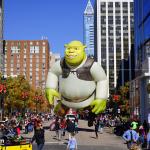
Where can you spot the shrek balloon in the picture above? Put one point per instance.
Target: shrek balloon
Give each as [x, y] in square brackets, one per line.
[82, 81]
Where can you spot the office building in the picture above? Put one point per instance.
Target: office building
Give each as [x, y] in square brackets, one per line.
[114, 22]
[89, 29]
[29, 58]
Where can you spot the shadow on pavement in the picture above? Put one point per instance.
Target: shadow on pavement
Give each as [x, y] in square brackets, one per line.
[85, 130]
[93, 137]
[47, 127]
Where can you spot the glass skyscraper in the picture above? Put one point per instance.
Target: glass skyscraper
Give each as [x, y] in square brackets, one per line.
[1, 38]
[142, 31]
[114, 22]
[140, 93]
[89, 29]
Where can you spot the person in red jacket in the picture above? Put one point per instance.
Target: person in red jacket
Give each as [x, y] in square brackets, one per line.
[63, 126]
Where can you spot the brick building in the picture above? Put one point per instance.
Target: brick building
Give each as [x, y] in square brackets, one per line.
[29, 58]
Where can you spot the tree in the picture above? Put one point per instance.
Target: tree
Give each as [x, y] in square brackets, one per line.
[21, 96]
[2, 94]
[16, 87]
[124, 99]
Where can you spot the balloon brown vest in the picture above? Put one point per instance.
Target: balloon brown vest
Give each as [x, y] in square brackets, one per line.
[82, 73]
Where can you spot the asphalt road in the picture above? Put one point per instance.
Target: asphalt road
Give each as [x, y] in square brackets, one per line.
[85, 138]
[80, 147]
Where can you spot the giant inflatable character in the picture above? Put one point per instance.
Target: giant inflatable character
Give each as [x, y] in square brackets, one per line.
[82, 81]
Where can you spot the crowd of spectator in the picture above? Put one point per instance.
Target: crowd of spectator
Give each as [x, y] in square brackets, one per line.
[133, 131]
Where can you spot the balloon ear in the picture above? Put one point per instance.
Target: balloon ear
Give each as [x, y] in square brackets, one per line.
[66, 45]
[84, 46]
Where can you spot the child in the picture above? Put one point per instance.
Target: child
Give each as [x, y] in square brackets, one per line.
[72, 143]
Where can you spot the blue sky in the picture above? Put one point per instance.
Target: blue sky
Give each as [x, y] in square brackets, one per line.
[61, 21]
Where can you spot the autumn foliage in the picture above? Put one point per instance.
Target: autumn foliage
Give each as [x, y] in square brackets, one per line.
[18, 94]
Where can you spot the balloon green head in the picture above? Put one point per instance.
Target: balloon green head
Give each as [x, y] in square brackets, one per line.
[74, 53]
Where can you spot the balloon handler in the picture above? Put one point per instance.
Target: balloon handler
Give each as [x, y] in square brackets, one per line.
[81, 81]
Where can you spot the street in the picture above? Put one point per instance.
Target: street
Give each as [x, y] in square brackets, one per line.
[85, 138]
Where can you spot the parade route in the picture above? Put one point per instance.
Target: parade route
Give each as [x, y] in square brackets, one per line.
[85, 138]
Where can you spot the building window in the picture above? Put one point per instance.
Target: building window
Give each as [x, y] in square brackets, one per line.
[37, 78]
[5, 49]
[43, 66]
[25, 45]
[37, 60]
[31, 49]
[18, 65]
[18, 45]
[36, 49]
[15, 49]
[43, 60]
[24, 69]
[44, 49]
[11, 61]
[43, 78]
[37, 65]
[37, 73]
[30, 77]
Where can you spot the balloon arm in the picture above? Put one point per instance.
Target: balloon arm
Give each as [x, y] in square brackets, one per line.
[98, 105]
[100, 78]
[52, 81]
[50, 94]
[102, 89]
[53, 76]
